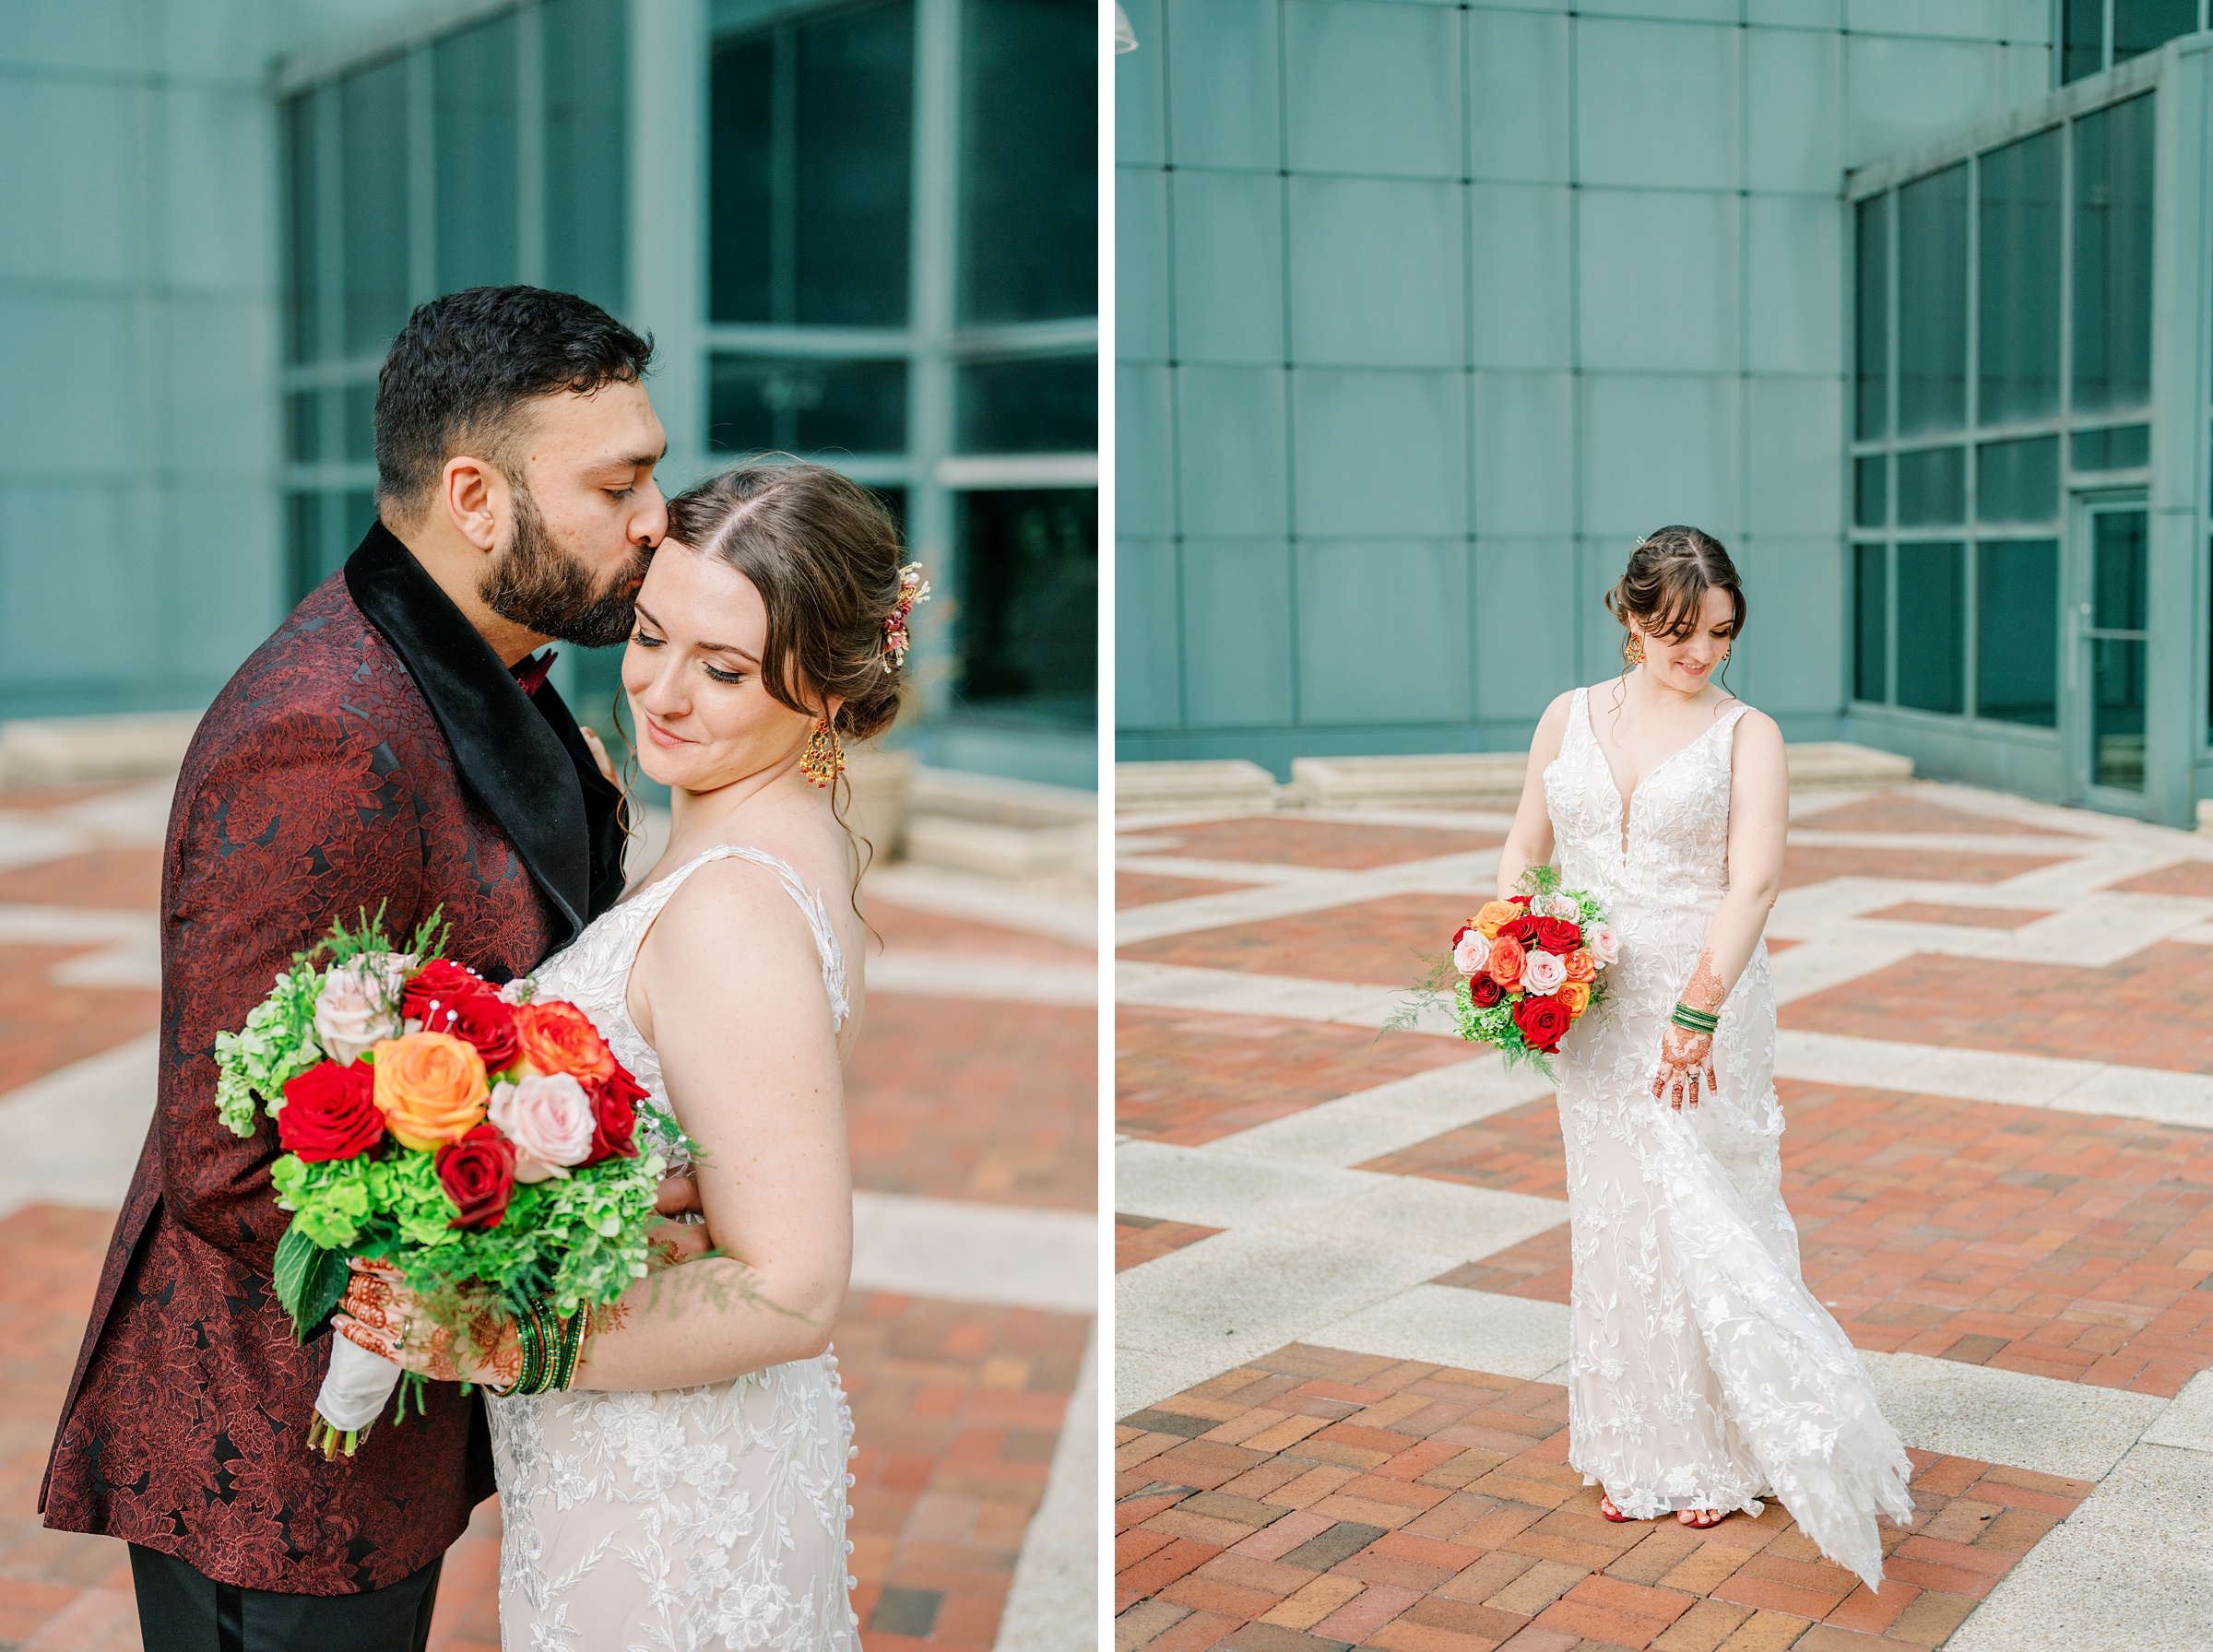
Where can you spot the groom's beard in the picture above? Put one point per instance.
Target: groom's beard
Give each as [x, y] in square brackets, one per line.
[538, 586]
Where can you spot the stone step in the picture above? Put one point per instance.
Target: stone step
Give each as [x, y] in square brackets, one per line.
[1477, 780]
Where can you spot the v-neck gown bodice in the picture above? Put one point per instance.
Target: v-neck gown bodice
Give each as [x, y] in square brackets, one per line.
[709, 1516]
[1702, 1374]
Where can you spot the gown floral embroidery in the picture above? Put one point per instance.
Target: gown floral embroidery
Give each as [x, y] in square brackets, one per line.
[709, 1516]
[1702, 1373]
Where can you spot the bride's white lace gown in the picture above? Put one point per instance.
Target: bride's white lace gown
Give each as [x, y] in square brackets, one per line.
[1702, 1373]
[712, 1516]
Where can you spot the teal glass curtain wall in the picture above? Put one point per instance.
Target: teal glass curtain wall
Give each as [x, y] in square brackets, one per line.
[407, 178]
[1429, 311]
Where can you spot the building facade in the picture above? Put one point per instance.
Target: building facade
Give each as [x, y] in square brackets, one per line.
[1428, 312]
[860, 231]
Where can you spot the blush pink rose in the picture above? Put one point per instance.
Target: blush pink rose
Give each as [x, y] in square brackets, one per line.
[1542, 973]
[1605, 946]
[1472, 955]
[358, 1005]
[550, 1120]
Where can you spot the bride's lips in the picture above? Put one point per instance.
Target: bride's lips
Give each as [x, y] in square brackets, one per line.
[661, 737]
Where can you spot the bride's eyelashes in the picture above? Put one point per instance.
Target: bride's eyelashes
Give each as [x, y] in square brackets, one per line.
[720, 675]
[645, 639]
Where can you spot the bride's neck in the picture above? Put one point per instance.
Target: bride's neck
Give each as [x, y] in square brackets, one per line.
[698, 815]
[1647, 692]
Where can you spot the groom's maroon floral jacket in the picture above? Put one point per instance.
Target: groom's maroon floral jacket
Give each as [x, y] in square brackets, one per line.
[374, 752]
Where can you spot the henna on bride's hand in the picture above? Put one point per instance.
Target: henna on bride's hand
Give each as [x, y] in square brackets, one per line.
[1684, 1058]
[1705, 991]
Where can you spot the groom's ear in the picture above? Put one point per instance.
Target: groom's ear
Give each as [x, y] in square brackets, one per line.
[474, 496]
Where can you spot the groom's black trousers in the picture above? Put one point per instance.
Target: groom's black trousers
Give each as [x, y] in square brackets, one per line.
[182, 1610]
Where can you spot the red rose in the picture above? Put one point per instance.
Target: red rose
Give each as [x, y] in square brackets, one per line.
[1519, 900]
[1543, 1022]
[330, 1112]
[1523, 929]
[1457, 933]
[1556, 936]
[433, 991]
[1483, 992]
[478, 1173]
[615, 1117]
[488, 1022]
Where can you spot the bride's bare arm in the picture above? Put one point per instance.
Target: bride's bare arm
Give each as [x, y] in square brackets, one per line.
[1760, 818]
[1529, 841]
[731, 988]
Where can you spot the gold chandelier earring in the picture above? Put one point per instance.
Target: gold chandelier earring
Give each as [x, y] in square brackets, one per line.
[1633, 650]
[825, 759]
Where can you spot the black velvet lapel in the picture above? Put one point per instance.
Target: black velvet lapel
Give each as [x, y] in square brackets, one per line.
[521, 754]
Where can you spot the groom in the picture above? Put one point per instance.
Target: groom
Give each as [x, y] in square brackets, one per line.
[395, 746]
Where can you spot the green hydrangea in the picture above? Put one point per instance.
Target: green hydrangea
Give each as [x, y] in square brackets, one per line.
[277, 1043]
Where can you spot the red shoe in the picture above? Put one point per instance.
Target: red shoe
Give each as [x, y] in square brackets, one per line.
[1606, 1508]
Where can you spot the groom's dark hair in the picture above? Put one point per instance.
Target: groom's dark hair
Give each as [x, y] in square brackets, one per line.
[460, 374]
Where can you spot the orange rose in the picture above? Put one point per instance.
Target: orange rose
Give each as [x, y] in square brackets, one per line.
[1507, 959]
[1581, 966]
[560, 1038]
[430, 1088]
[1576, 995]
[1494, 914]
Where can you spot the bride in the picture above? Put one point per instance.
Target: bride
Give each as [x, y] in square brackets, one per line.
[1702, 1373]
[689, 1488]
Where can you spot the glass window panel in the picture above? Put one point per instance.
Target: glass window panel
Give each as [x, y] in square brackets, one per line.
[1872, 363]
[2117, 713]
[1932, 486]
[1931, 626]
[303, 542]
[1870, 491]
[358, 513]
[474, 142]
[1931, 303]
[588, 154]
[2123, 447]
[2113, 256]
[2017, 481]
[2019, 317]
[1030, 407]
[303, 427]
[2016, 631]
[2119, 570]
[2141, 25]
[741, 147]
[303, 269]
[1029, 135]
[360, 424]
[809, 168]
[373, 151]
[2082, 29]
[806, 405]
[1871, 623]
[1029, 604]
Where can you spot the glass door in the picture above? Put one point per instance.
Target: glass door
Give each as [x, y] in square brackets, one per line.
[2109, 680]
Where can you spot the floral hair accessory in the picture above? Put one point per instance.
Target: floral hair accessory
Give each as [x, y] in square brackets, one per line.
[912, 588]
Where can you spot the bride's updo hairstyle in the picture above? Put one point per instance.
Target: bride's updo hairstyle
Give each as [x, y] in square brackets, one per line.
[1666, 581]
[824, 554]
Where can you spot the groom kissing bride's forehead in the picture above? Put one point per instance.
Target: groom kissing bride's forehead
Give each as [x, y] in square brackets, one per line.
[395, 744]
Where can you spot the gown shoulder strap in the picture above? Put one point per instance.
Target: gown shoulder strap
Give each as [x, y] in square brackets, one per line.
[810, 904]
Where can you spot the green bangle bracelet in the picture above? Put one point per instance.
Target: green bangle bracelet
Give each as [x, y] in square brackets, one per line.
[1695, 1021]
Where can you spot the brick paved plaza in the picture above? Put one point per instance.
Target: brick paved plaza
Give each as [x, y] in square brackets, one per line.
[1343, 1270]
[973, 1124]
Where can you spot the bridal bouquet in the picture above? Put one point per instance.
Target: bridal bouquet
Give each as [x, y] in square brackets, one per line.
[1529, 968]
[478, 1139]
